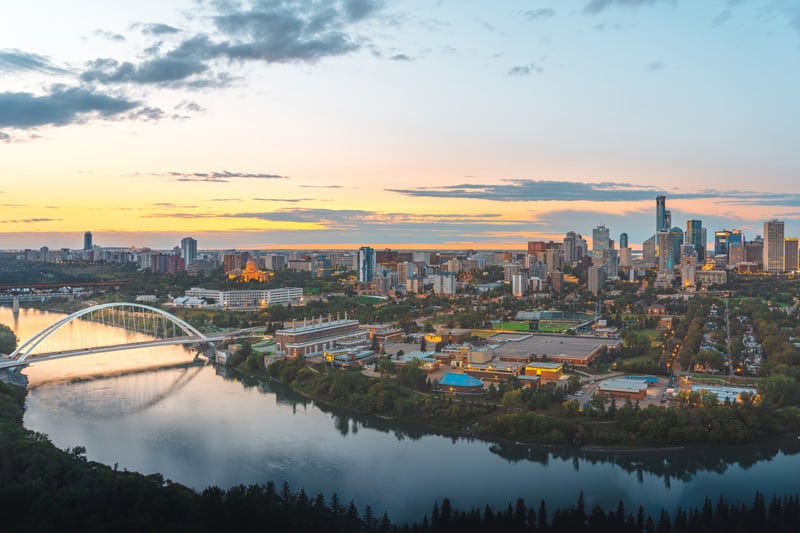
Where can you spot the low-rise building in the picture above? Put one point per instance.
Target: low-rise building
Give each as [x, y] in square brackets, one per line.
[247, 298]
[546, 371]
[624, 388]
[316, 337]
[460, 384]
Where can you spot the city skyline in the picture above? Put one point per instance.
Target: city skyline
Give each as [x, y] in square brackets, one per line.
[258, 124]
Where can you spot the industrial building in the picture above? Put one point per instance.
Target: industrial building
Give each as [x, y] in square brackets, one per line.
[632, 389]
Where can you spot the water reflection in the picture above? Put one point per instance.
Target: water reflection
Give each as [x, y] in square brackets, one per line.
[683, 464]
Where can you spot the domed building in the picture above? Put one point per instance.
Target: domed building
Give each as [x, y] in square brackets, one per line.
[250, 273]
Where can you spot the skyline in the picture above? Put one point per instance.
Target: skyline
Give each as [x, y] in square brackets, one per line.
[264, 124]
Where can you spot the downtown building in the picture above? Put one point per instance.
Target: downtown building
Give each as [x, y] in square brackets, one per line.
[774, 258]
[188, 250]
[366, 264]
[790, 252]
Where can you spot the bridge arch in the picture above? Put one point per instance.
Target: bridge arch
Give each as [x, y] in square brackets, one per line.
[24, 350]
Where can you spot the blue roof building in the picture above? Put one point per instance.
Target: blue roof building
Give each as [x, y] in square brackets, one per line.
[460, 384]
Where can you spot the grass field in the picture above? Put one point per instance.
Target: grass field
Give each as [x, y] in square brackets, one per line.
[512, 326]
[369, 299]
[555, 327]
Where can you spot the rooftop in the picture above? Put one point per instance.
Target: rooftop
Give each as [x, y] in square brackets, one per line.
[568, 345]
[460, 380]
[623, 385]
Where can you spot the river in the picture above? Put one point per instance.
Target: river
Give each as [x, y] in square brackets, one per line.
[199, 427]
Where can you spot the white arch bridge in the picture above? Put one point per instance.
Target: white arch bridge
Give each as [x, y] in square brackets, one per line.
[162, 327]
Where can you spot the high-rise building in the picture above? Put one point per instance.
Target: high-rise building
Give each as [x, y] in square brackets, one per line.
[649, 250]
[623, 240]
[721, 243]
[87, 240]
[790, 252]
[666, 253]
[736, 247]
[366, 264]
[677, 245]
[661, 213]
[231, 262]
[774, 251]
[600, 239]
[570, 247]
[754, 250]
[535, 247]
[596, 277]
[694, 236]
[188, 250]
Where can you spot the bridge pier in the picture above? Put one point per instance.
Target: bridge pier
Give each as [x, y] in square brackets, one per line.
[13, 376]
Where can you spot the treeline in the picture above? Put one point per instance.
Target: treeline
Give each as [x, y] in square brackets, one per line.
[394, 398]
[699, 420]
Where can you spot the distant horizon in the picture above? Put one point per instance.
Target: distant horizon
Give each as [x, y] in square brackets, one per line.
[266, 124]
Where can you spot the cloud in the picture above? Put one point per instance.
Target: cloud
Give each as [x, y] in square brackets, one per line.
[369, 224]
[62, 105]
[527, 190]
[5, 137]
[322, 186]
[170, 205]
[525, 70]
[267, 31]
[14, 60]
[218, 177]
[188, 105]
[30, 220]
[163, 70]
[597, 6]
[155, 28]
[401, 57]
[147, 114]
[655, 66]
[287, 200]
[543, 13]
[111, 36]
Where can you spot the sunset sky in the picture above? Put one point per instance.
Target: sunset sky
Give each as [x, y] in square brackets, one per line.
[456, 124]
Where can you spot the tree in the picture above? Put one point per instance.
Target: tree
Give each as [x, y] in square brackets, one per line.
[8, 341]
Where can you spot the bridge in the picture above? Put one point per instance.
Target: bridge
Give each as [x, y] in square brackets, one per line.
[162, 327]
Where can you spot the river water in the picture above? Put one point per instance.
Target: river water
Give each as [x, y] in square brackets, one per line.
[200, 428]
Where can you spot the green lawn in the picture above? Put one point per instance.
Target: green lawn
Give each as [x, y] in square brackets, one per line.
[554, 327]
[512, 326]
[368, 299]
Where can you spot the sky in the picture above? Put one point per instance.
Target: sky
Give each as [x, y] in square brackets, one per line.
[410, 124]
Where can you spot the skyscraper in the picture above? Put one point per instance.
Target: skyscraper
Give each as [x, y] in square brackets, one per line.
[600, 239]
[774, 251]
[661, 213]
[623, 240]
[666, 253]
[677, 244]
[721, 243]
[87, 240]
[570, 247]
[366, 264]
[188, 250]
[694, 236]
[790, 245]
[736, 244]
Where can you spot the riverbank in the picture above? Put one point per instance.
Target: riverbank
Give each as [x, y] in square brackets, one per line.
[607, 429]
